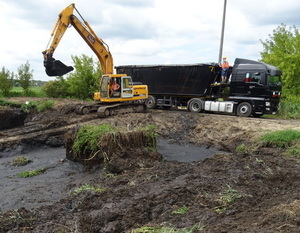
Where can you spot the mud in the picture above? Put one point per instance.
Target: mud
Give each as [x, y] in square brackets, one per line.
[254, 191]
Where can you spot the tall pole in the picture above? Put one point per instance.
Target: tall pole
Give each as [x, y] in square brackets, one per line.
[222, 32]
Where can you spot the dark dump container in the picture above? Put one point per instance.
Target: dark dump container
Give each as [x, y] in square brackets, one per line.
[174, 80]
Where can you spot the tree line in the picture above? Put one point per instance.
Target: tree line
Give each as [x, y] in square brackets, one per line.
[282, 49]
[80, 84]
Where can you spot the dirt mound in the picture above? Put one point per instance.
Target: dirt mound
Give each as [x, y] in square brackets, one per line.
[11, 117]
[117, 151]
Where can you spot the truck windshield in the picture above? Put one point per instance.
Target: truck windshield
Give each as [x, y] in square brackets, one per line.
[274, 80]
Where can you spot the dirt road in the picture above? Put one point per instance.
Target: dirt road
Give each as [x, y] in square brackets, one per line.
[257, 191]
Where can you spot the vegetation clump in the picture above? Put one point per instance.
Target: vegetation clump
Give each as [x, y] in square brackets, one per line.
[20, 161]
[227, 198]
[165, 229]
[117, 148]
[26, 174]
[88, 138]
[87, 187]
[40, 106]
[181, 210]
[281, 138]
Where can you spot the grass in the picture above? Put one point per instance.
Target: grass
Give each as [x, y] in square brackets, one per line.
[9, 103]
[27, 174]
[88, 137]
[287, 139]
[242, 148]
[181, 210]
[34, 91]
[281, 139]
[40, 106]
[293, 151]
[163, 229]
[151, 133]
[87, 187]
[226, 199]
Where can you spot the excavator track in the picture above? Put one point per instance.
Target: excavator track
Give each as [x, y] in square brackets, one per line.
[106, 110]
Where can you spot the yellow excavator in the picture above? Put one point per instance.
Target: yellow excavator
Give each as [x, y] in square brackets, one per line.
[117, 93]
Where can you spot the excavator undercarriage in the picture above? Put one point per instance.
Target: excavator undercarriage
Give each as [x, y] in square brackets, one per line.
[105, 110]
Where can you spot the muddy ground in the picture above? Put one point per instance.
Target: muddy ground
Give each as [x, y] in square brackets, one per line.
[257, 190]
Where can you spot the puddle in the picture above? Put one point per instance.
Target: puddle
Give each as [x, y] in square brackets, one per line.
[183, 153]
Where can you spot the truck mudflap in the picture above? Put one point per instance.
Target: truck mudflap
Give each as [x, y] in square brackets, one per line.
[56, 67]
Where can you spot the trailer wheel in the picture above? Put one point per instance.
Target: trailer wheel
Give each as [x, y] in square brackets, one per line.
[244, 109]
[150, 102]
[195, 105]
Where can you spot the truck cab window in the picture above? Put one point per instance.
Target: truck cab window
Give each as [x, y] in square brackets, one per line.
[253, 78]
[256, 77]
[274, 80]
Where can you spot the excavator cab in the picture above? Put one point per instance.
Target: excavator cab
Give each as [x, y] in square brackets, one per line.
[56, 67]
[127, 90]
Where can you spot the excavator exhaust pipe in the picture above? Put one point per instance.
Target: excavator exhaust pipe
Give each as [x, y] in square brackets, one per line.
[56, 67]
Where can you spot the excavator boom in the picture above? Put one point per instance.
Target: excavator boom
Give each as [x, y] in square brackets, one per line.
[65, 19]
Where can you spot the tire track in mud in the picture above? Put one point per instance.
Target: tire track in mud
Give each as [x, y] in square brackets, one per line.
[41, 130]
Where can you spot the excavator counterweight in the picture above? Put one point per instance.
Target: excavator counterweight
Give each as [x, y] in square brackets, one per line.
[56, 67]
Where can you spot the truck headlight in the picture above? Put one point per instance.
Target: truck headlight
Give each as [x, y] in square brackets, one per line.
[268, 104]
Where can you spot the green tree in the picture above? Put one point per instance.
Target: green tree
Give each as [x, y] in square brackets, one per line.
[57, 88]
[6, 81]
[24, 77]
[85, 80]
[282, 49]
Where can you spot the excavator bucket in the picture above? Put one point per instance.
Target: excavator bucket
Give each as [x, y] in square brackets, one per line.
[56, 67]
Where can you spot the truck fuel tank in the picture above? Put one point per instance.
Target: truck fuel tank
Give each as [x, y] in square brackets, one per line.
[219, 106]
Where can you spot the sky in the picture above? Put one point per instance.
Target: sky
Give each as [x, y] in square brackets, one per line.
[143, 32]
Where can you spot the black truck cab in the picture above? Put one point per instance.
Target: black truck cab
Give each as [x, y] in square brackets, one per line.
[257, 83]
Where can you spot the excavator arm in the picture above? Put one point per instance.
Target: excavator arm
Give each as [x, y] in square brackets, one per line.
[65, 19]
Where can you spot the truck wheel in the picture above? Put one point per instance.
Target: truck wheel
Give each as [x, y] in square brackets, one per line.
[195, 105]
[151, 102]
[244, 109]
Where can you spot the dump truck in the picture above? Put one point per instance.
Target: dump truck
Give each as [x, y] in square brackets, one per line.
[252, 89]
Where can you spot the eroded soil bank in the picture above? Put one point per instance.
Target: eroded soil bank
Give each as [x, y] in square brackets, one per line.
[257, 191]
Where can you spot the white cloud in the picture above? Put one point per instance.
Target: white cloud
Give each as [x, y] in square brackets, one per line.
[143, 32]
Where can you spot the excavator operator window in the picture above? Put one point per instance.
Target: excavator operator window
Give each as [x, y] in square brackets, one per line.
[127, 87]
[115, 88]
[103, 86]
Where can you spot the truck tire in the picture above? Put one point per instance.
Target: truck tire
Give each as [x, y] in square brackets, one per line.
[244, 109]
[150, 102]
[195, 105]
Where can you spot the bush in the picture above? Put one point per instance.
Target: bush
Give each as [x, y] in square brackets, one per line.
[290, 107]
[56, 89]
